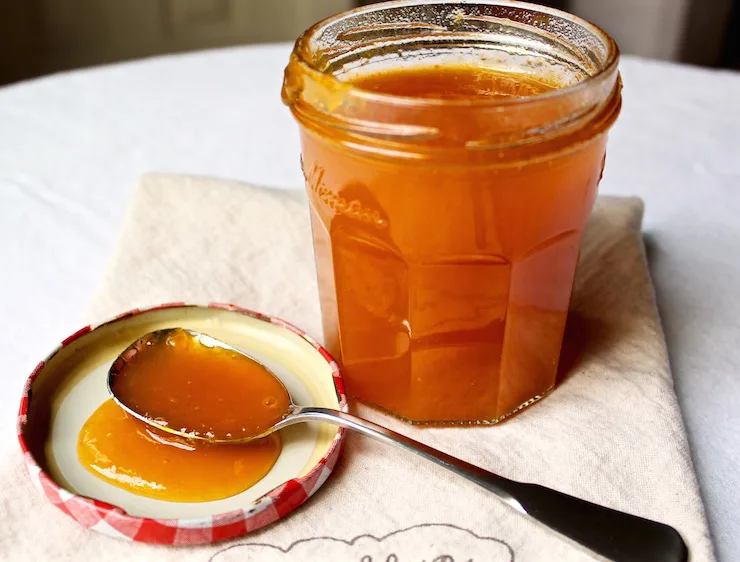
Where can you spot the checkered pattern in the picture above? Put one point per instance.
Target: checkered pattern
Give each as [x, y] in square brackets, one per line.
[113, 521]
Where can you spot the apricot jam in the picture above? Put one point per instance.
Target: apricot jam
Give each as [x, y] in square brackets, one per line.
[201, 390]
[452, 305]
[206, 390]
[452, 83]
[452, 153]
[133, 456]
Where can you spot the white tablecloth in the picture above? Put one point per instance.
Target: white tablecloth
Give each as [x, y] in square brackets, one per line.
[72, 146]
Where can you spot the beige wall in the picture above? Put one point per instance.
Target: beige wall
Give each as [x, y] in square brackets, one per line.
[651, 28]
[39, 36]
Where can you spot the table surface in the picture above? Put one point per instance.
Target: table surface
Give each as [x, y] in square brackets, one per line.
[72, 146]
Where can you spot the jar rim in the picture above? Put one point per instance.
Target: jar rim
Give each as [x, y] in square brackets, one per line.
[302, 51]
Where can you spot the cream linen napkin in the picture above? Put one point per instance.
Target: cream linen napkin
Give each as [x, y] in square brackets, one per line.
[610, 433]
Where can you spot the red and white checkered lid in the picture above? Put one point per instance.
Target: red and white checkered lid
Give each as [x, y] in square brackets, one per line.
[114, 521]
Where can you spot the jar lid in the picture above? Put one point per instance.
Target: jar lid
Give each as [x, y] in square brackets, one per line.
[70, 384]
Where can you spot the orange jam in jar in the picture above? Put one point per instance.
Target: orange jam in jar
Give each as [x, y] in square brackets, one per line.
[452, 154]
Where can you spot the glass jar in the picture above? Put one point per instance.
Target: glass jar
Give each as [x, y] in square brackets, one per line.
[447, 231]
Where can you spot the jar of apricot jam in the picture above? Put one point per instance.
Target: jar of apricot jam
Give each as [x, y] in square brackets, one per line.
[452, 152]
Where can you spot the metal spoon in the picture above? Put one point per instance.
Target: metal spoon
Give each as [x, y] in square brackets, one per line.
[614, 534]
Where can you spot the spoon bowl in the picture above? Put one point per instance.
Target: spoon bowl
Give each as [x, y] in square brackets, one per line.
[611, 533]
[151, 342]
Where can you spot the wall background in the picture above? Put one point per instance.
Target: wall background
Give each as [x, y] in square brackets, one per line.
[42, 36]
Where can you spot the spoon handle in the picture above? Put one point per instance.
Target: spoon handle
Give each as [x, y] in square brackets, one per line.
[611, 533]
